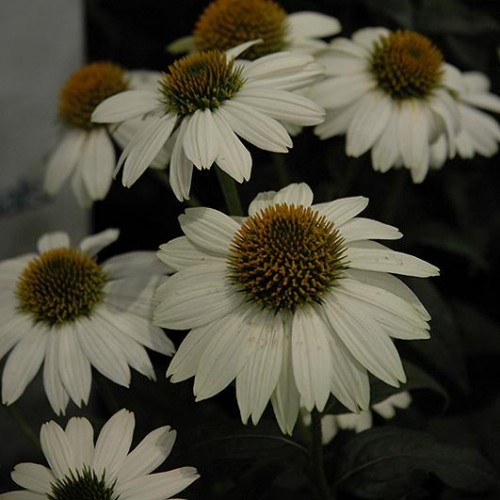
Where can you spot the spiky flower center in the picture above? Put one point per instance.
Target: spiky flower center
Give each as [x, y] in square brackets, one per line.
[88, 87]
[60, 286]
[228, 23]
[82, 485]
[286, 256]
[199, 81]
[406, 64]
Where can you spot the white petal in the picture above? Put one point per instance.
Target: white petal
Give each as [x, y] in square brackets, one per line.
[125, 105]
[157, 486]
[392, 285]
[282, 70]
[366, 37]
[49, 241]
[64, 159]
[113, 443]
[180, 253]
[144, 146]
[342, 210]
[209, 229]
[312, 25]
[181, 168]
[57, 449]
[185, 362]
[294, 194]
[385, 151]
[74, 367]
[368, 122]
[148, 455]
[33, 477]
[102, 352]
[350, 383]
[285, 399]
[337, 92]
[97, 162]
[233, 157]
[312, 361]
[259, 376]
[22, 495]
[23, 363]
[360, 228]
[234, 52]
[195, 296]
[281, 105]
[225, 353]
[80, 435]
[383, 259]
[56, 393]
[200, 141]
[95, 243]
[336, 122]
[139, 263]
[364, 339]
[412, 135]
[256, 127]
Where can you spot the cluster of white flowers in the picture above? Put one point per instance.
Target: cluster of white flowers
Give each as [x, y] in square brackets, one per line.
[295, 303]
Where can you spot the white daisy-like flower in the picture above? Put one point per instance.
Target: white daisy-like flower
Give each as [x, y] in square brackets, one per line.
[228, 23]
[391, 93]
[359, 422]
[204, 102]
[295, 302]
[62, 308]
[106, 470]
[86, 152]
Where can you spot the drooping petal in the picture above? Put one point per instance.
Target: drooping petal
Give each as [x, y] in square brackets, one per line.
[201, 141]
[64, 159]
[312, 361]
[256, 127]
[23, 363]
[95, 243]
[258, 378]
[97, 162]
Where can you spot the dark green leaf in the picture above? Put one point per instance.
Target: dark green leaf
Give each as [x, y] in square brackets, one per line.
[386, 462]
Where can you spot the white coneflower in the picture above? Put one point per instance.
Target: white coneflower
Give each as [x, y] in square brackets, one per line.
[62, 308]
[205, 101]
[228, 23]
[295, 302]
[391, 93]
[107, 470]
[85, 152]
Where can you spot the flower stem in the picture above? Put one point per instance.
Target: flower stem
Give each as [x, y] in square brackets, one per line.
[23, 425]
[230, 193]
[318, 472]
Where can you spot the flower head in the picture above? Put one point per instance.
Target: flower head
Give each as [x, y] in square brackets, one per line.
[479, 132]
[63, 308]
[207, 99]
[295, 302]
[106, 470]
[391, 93]
[86, 152]
[228, 23]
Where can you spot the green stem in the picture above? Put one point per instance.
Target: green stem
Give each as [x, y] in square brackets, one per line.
[318, 473]
[23, 425]
[280, 167]
[230, 193]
